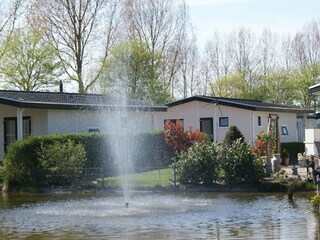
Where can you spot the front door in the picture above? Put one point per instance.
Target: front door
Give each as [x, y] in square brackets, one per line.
[10, 130]
[206, 126]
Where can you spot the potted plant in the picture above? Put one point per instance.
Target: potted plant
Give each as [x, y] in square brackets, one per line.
[285, 157]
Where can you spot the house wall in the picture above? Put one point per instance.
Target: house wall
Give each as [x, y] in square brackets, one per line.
[245, 120]
[38, 122]
[44, 121]
[76, 121]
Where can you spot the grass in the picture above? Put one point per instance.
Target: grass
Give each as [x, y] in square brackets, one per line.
[161, 178]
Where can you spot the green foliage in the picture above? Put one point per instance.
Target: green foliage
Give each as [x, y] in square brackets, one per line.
[239, 164]
[135, 69]
[63, 162]
[198, 165]
[29, 62]
[232, 135]
[24, 167]
[293, 148]
[284, 154]
[315, 202]
[303, 78]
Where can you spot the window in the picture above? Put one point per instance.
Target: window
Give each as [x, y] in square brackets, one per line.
[223, 121]
[10, 129]
[206, 126]
[259, 121]
[284, 130]
[94, 130]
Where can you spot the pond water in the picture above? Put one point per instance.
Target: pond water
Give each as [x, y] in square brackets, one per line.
[157, 216]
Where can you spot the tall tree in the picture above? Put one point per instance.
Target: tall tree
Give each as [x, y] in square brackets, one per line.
[161, 25]
[130, 71]
[29, 62]
[10, 11]
[82, 31]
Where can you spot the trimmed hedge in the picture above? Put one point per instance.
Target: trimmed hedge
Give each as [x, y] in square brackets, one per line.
[293, 149]
[22, 168]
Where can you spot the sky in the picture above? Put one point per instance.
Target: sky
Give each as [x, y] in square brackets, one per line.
[280, 16]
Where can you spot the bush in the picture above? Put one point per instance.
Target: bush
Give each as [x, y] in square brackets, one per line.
[293, 148]
[198, 165]
[63, 162]
[22, 165]
[232, 135]
[239, 164]
[179, 139]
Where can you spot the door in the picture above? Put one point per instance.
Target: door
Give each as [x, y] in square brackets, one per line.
[206, 126]
[10, 130]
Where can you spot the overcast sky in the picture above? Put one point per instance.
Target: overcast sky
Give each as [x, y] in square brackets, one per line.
[281, 16]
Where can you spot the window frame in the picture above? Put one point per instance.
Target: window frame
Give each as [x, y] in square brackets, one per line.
[221, 124]
[284, 130]
[259, 121]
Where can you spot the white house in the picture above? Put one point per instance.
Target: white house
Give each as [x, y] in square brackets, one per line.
[40, 113]
[214, 115]
[312, 134]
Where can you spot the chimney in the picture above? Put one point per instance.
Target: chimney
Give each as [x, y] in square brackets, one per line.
[61, 86]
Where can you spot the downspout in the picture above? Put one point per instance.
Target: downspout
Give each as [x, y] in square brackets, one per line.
[19, 123]
[253, 129]
[215, 122]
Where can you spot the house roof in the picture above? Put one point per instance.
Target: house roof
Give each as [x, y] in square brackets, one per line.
[74, 101]
[254, 105]
[315, 89]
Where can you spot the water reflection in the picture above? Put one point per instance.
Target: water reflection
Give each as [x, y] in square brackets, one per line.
[158, 216]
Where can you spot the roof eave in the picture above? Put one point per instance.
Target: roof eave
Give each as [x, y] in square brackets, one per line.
[288, 110]
[40, 105]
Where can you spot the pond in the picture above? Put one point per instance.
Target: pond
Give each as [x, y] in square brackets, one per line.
[157, 216]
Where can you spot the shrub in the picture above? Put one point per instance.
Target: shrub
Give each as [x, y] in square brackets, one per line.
[178, 139]
[22, 166]
[63, 162]
[263, 144]
[293, 148]
[198, 165]
[239, 164]
[315, 202]
[232, 135]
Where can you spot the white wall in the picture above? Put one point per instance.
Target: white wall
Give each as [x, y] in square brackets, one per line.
[76, 121]
[38, 122]
[245, 120]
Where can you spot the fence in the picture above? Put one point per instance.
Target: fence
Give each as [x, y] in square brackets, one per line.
[147, 176]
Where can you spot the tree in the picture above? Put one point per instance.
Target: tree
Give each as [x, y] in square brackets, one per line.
[29, 62]
[232, 135]
[161, 25]
[9, 13]
[82, 31]
[130, 71]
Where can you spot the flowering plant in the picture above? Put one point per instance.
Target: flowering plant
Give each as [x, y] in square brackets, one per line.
[179, 139]
[262, 145]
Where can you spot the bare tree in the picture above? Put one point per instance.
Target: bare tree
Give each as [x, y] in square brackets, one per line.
[188, 73]
[267, 52]
[9, 13]
[161, 25]
[83, 32]
[244, 58]
[306, 45]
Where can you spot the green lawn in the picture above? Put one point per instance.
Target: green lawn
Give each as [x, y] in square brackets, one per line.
[151, 179]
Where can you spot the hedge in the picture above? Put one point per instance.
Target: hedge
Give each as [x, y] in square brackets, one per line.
[21, 166]
[293, 149]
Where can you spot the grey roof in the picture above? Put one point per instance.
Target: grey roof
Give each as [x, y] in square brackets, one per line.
[254, 105]
[57, 100]
[315, 89]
